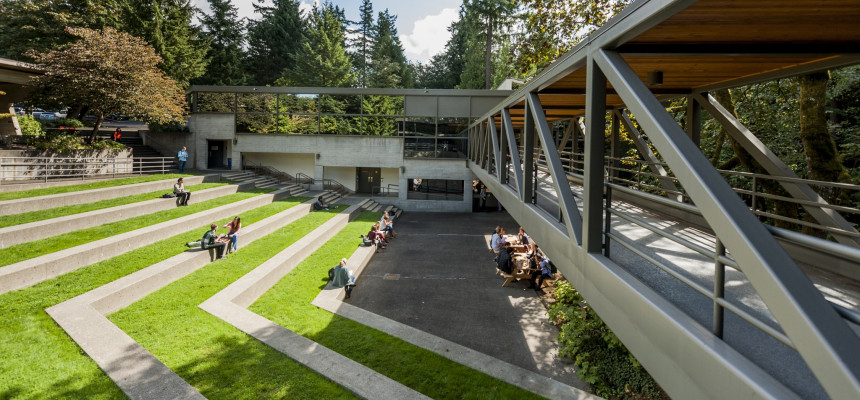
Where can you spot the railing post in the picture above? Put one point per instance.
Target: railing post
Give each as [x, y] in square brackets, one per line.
[46, 170]
[754, 186]
[719, 288]
[607, 221]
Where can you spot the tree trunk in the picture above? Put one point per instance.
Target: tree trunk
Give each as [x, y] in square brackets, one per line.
[822, 157]
[100, 117]
[488, 57]
[769, 186]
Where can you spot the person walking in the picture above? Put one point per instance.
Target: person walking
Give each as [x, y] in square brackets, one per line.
[183, 157]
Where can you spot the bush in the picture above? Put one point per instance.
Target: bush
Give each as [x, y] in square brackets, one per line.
[67, 142]
[30, 126]
[601, 359]
[174, 127]
[67, 122]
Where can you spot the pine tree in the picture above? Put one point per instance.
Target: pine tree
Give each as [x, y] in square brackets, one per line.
[363, 42]
[487, 20]
[273, 40]
[226, 55]
[166, 26]
[387, 49]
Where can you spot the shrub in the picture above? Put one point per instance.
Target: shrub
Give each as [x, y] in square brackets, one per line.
[67, 122]
[30, 126]
[600, 357]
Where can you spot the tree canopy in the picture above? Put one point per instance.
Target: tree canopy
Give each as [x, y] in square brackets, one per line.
[226, 55]
[111, 72]
[273, 40]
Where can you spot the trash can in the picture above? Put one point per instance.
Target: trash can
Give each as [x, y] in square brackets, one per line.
[229, 163]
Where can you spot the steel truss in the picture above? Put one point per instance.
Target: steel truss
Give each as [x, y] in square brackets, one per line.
[687, 359]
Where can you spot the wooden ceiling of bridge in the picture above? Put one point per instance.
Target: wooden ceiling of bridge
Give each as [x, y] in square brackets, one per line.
[716, 42]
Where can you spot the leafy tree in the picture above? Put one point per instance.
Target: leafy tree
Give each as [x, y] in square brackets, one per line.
[39, 24]
[554, 27]
[321, 60]
[166, 26]
[111, 72]
[274, 40]
[225, 33]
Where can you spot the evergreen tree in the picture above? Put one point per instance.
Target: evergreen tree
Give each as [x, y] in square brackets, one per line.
[387, 49]
[166, 26]
[488, 20]
[39, 25]
[225, 33]
[445, 69]
[273, 40]
[363, 42]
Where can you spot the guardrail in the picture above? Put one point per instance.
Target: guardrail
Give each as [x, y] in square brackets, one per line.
[21, 169]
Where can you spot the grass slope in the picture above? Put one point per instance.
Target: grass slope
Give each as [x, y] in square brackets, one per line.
[39, 360]
[288, 304]
[210, 354]
[26, 251]
[87, 186]
[41, 215]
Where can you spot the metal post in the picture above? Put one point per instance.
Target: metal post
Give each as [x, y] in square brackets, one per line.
[754, 185]
[528, 155]
[46, 170]
[615, 149]
[719, 288]
[607, 221]
[593, 185]
[694, 120]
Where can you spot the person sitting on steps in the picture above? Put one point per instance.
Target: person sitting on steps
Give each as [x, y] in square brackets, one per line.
[343, 277]
[386, 225]
[210, 242]
[182, 195]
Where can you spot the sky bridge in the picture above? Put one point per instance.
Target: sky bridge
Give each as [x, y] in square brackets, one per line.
[713, 302]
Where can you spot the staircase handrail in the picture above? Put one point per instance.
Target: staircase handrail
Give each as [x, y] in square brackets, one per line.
[265, 170]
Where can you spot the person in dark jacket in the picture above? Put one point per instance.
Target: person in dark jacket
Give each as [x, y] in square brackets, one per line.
[504, 260]
[210, 242]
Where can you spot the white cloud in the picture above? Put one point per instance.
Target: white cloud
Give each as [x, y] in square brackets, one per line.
[429, 35]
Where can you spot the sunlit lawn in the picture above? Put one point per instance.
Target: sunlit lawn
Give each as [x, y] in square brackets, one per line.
[87, 186]
[39, 361]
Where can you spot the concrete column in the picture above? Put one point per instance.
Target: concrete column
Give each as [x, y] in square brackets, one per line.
[319, 172]
[403, 185]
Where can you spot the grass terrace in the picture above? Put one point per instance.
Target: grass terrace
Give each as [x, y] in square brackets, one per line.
[26, 251]
[39, 360]
[41, 215]
[87, 186]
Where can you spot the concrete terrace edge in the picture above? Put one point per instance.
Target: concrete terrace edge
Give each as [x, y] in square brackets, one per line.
[16, 234]
[138, 373]
[331, 299]
[29, 204]
[30, 272]
[230, 305]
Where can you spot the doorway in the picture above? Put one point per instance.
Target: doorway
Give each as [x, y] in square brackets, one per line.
[215, 160]
[367, 180]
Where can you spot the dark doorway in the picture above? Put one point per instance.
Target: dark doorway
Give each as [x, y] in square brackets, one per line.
[216, 154]
[367, 180]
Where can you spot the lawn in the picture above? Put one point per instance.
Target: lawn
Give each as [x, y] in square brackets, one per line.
[26, 251]
[219, 360]
[288, 304]
[87, 186]
[41, 215]
[39, 360]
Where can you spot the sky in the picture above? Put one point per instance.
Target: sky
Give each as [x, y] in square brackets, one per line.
[422, 25]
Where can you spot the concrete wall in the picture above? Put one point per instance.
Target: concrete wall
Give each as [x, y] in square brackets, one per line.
[436, 169]
[170, 142]
[290, 163]
[28, 164]
[344, 175]
[212, 127]
[390, 176]
[333, 150]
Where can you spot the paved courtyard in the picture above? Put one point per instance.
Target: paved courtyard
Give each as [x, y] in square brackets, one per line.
[437, 276]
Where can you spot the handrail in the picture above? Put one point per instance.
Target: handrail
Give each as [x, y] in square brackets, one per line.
[27, 168]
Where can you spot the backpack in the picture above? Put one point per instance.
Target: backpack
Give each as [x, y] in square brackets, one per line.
[168, 196]
[331, 274]
[365, 241]
[552, 268]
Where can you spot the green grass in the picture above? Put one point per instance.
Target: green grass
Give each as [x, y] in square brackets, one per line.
[41, 215]
[216, 358]
[87, 186]
[39, 360]
[26, 251]
[288, 304]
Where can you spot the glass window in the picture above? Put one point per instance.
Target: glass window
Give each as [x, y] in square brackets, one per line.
[453, 127]
[298, 124]
[214, 102]
[340, 125]
[435, 189]
[419, 148]
[297, 103]
[256, 102]
[419, 126]
[451, 148]
[333, 104]
[383, 105]
[255, 123]
[380, 126]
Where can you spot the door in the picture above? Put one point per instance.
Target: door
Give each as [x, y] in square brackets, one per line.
[368, 180]
[216, 154]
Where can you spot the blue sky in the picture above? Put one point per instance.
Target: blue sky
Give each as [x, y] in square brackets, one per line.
[422, 25]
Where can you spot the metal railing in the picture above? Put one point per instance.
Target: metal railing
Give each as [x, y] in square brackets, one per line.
[21, 169]
[259, 169]
[327, 183]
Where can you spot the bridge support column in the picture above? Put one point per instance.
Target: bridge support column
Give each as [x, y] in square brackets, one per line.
[595, 126]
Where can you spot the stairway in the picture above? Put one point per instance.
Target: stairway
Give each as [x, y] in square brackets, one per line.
[373, 206]
[133, 141]
[263, 182]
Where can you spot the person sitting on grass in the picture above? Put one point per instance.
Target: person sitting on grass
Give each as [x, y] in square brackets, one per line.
[210, 242]
[321, 205]
[343, 277]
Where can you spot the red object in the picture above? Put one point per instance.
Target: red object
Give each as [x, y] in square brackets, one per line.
[117, 134]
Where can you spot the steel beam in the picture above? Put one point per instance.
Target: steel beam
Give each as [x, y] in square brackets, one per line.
[512, 148]
[693, 123]
[774, 166]
[494, 141]
[572, 218]
[819, 334]
[595, 128]
[649, 156]
[528, 156]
